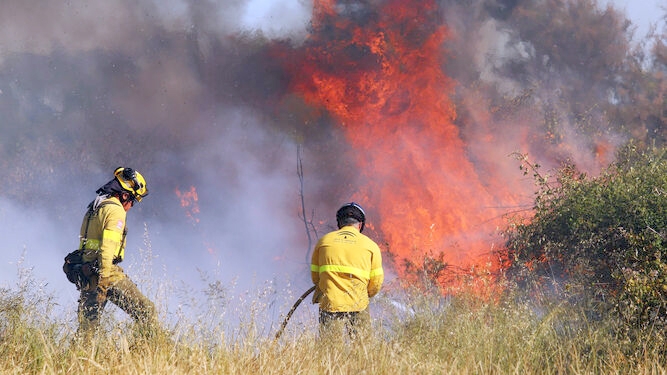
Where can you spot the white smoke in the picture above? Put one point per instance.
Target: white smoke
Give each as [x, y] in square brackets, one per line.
[86, 86]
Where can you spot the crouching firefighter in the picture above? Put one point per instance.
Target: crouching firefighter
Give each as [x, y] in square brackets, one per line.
[346, 269]
[102, 243]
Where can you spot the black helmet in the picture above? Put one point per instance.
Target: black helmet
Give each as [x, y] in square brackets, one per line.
[351, 211]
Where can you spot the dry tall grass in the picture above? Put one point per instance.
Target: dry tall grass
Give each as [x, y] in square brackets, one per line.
[428, 334]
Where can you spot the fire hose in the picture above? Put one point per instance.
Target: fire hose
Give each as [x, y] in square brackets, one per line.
[289, 314]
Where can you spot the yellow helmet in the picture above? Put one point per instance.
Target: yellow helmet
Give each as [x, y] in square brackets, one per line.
[132, 181]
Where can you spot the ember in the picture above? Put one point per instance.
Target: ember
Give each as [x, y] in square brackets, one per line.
[189, 201]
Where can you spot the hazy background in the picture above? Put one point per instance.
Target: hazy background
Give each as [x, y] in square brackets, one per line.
[186, 93]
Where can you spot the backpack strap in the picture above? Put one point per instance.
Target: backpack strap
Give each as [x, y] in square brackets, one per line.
[90, 213]
[85, 233]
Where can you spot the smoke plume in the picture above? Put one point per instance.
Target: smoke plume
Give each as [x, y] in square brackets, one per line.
[210, 101]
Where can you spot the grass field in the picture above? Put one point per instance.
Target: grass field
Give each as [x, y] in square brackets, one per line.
[428, 334]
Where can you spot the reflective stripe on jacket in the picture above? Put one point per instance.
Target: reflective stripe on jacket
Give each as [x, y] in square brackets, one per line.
[105, 240]
[347, 269]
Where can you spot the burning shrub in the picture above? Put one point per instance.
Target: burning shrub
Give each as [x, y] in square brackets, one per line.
[598, 241]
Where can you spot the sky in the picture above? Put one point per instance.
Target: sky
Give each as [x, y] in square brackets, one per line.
[642, 13]
[275, 16]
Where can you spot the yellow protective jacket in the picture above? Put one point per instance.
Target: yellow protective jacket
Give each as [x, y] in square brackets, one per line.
[346, 267]
[104, 239]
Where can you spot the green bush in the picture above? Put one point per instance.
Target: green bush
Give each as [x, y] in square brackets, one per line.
[598, 241]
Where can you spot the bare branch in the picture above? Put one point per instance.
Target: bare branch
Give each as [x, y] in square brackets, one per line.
[307, 223]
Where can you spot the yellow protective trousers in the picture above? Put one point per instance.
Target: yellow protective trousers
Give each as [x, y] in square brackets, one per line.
[124, 294]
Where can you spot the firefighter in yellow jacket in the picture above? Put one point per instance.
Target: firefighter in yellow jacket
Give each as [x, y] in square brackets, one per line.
[103, 241]
[347, 270]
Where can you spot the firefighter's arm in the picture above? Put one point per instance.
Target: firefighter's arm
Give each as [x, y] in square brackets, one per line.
[377, 273]
[315, 266]
[112, 236]
[315, 275]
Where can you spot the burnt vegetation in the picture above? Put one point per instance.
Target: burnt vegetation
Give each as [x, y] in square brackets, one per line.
[597, 243]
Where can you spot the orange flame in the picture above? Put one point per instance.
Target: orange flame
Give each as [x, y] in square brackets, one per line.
[379, 73]
[189, 201]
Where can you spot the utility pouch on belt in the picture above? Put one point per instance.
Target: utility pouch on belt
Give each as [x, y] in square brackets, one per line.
[73, 269]
[78, 272]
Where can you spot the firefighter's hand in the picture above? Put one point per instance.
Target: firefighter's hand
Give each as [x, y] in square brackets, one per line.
[102, 288]
[103, 284]
[317, 296]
